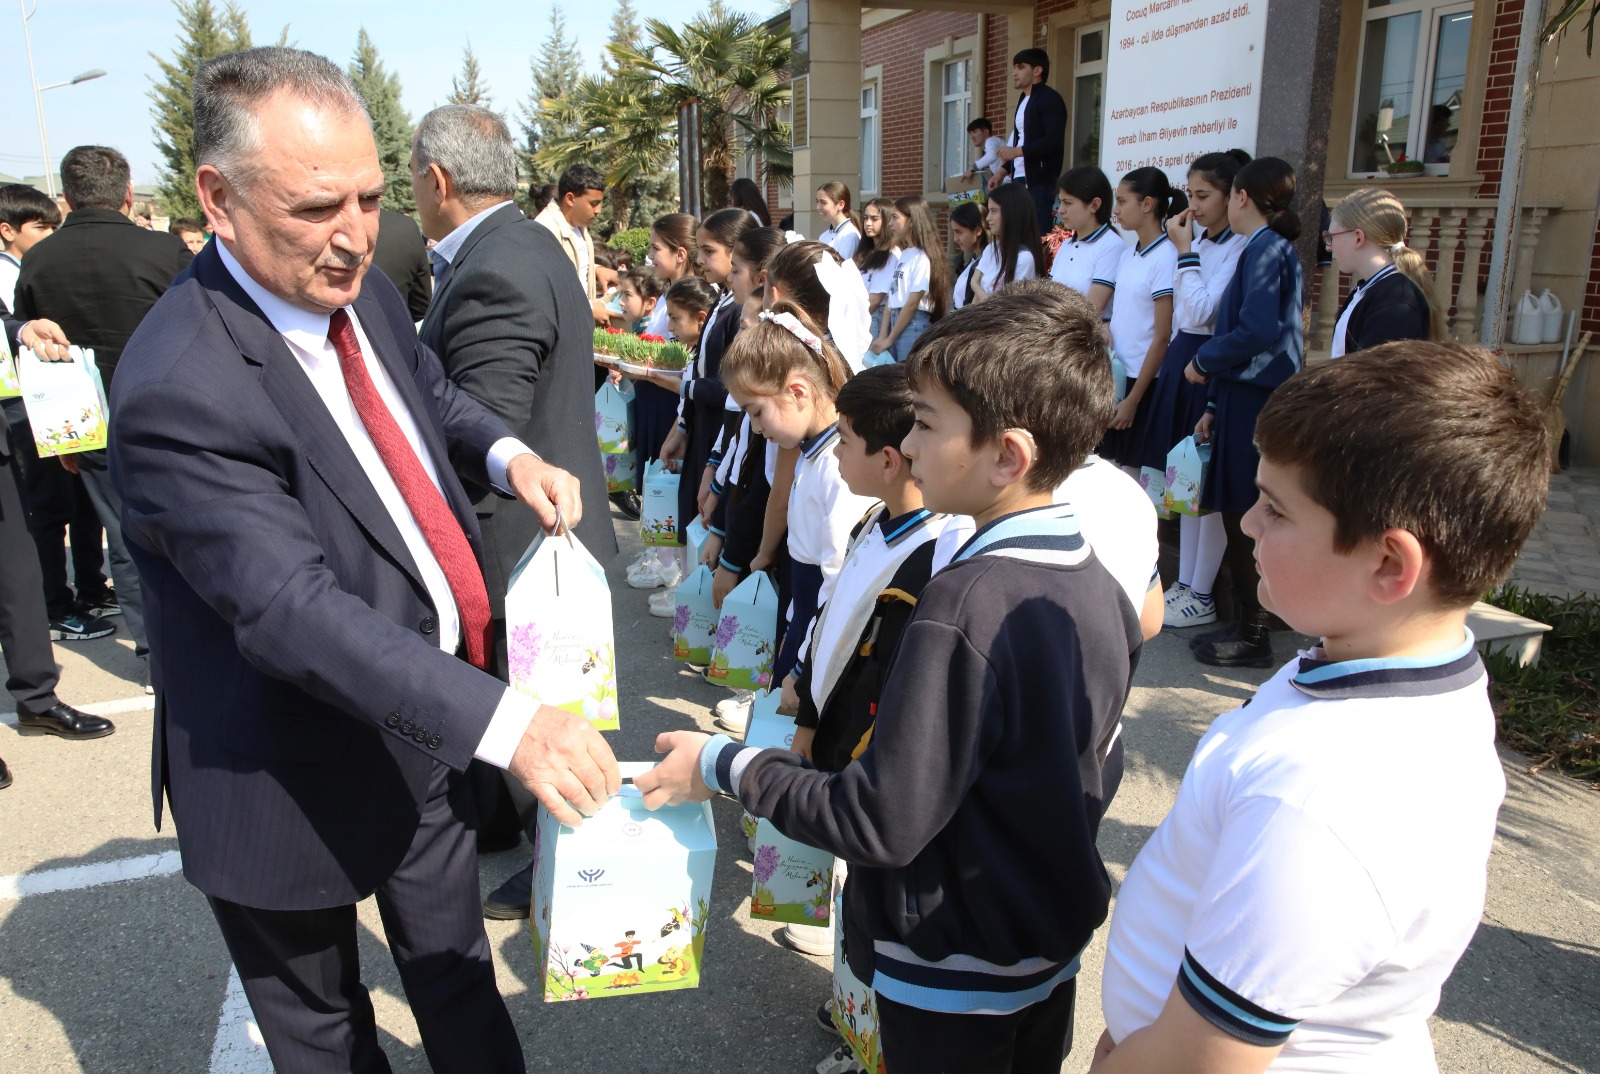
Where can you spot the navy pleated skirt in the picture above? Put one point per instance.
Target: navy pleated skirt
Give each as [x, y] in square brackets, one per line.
[1231, 480]
[1175, 404]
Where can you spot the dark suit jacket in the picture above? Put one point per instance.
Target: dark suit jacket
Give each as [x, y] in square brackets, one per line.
[302, 700]
[1044, 136]
[11, 327]
[511, 324]
[402, 254]
[97, 277]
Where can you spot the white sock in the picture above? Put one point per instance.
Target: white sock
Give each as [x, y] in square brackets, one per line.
[1212, 542]
[1188, 545]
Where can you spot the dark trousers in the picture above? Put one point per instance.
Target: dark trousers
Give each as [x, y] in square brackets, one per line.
[1033, 1040]
[108, 505]
[56, 502]
[301, 971]
[31, 674]
[1044, 205]
[497, 819]
[1240, 556]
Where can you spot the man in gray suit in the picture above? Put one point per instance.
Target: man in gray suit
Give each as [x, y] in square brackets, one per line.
[514, 331]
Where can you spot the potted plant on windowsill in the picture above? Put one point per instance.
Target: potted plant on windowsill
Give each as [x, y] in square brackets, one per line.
[1405, 169]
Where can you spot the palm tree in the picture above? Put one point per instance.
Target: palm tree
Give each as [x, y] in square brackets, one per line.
[609, 120]
[736, 69]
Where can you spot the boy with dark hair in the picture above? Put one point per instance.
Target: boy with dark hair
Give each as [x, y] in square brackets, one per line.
[1033, 154]
[580, 193]
[26, 216]
[191, 231]
[1313, 886]
[969, 820]
[987, 146]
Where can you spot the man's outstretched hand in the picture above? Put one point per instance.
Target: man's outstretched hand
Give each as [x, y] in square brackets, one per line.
[565, 763]
[677, 778]
[545, 488]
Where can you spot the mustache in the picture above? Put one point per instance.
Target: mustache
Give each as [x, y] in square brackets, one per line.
[346, 262]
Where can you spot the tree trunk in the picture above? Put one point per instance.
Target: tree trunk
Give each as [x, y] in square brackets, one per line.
[718, 162]
[621, 207]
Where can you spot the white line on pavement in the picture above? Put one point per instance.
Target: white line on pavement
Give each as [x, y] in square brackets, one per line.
[239, 1048]
[99, 708]
[74, 877]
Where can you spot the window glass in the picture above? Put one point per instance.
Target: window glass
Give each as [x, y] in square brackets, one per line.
[870, 153]
[1091, 47]
[1449, 80]
[955, 146]
[1385, 92]
[1086, 91]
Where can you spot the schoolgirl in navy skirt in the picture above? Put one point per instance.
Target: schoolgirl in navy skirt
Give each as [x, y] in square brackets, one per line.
[1258, 344]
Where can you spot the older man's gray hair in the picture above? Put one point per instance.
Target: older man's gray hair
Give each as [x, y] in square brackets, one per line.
[229, 90]
[473, 146]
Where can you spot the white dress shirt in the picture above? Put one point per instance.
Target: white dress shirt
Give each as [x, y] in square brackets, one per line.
[306, 334]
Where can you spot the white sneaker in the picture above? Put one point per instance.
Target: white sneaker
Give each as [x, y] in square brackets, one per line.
[665, 609]
[840, 1061]
[733, 713]
[807, 939]
[646, 574]
[1189, 611]
[1175, 594]
[665, 596]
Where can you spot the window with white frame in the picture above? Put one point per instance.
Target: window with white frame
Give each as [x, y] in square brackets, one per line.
[955, 147]
[1088, 86]
[871, 139]
[1410, 85]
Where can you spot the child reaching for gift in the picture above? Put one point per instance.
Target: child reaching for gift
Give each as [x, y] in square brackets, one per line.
[969, 820]
[1313, 886]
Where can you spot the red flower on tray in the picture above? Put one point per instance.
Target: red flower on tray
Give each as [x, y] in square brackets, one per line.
[614, 331]
[651, 337]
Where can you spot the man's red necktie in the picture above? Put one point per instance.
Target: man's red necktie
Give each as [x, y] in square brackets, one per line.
[433, 516]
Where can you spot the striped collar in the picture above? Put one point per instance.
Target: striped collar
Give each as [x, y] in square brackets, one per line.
[1387, 270]
[1220, 237]
[1048, 533]
[811, 446]
[1098, 234]
[1157, 241]
[896, 529]
[1395, 676]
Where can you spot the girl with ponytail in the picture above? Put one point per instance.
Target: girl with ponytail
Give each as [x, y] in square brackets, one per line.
[844, 226]
[1141, 317]
[1257, 346]
[1392, 297]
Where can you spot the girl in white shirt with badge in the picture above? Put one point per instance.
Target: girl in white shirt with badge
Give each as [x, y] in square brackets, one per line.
[1141, 318]
[1088, 263]
[877, 257]
[1013, 252]
[844, 228]
[920, 291]
[967, 232]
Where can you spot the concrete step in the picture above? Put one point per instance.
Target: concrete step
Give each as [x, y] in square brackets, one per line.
[1498, 630]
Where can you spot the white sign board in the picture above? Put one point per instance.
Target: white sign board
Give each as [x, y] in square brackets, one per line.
[1183, 78]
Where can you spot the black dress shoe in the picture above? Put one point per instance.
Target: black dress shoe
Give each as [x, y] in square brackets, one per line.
[511, 900]
[1250, 646]
[1223, 631]
[65, 721]
[5, 775]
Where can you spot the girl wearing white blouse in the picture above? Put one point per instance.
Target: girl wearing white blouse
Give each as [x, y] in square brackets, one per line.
[966, 231]
[844, 229]
[1013, 252]
[1088, 262]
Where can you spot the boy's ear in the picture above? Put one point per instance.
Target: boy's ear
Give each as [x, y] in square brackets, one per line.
[1402, 566]
[1016, 454]
[894, 464]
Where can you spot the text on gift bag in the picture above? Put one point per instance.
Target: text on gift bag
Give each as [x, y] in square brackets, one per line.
[658, 505]
[66, 402]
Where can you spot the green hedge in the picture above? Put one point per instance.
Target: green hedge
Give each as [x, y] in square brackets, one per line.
[1551, 711]
[636, 240]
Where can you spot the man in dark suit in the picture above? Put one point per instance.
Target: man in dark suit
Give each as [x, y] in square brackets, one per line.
[97, 277]
[403, 256]
[31, 673]
[284, 447]
[512, 326]
[1038, 140]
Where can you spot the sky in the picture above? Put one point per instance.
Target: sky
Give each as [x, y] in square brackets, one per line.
[413, 39]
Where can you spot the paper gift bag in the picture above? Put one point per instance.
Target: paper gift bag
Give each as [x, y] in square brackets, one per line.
[1186, 477]
[10, 386]
[622, 471]
[620, 904]
[613, 417]
[746, 638]
[66, 402]
[1119, 378]
[694, 620]
[694, 538]
[768, 729]
[790, 881]
[658, 505]
[855, 1006]
[559, 641]
[1154, 483]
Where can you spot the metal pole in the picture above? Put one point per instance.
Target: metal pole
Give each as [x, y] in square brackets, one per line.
[38, 97]
[1508, 209]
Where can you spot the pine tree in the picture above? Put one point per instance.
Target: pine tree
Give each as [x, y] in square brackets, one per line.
[469, 87]
[391, 124]
[556, 72]
[625, 32]
[204, 33]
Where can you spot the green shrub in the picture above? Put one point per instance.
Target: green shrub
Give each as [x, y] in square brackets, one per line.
[636, 240]
[1551, 711]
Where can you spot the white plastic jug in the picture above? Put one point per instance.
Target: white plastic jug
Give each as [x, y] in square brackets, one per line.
[1550, 308]
[1527, 322]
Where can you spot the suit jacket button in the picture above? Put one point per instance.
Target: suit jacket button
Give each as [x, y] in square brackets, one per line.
[435, 742]
[407, 727]
[421, 734]
[392, 720]
[428, 625]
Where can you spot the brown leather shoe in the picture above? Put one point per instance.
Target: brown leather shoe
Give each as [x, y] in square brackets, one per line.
[64, 721]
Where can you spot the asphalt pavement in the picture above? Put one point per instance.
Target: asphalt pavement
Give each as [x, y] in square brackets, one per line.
[110, 962]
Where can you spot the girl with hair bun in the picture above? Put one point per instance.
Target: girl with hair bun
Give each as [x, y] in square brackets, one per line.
[1257, 345]
[1141, 317]
[1392, 297]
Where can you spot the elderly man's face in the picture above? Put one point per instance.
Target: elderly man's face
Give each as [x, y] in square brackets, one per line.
[306, 227]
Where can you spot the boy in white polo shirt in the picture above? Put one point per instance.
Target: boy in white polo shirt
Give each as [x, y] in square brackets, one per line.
[1323, 867]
